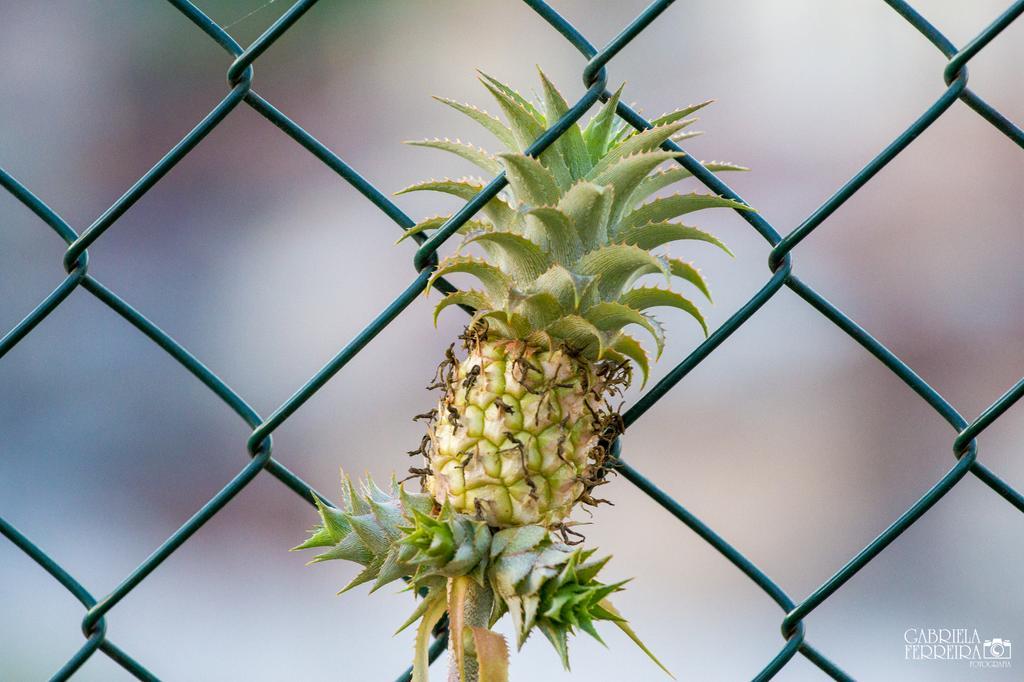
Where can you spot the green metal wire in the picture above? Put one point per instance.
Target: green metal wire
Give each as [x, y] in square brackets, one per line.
[260, 443]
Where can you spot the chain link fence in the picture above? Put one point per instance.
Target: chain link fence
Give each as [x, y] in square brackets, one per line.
[781, 274]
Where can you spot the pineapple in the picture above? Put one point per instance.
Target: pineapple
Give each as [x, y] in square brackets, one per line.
[521, 435]
[522, 429]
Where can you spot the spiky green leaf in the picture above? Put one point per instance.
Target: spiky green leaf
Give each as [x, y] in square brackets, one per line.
[475, 155]
[377, 494]
[333, 527]
[354, 502]
[466, 188]
[643, 298]
[555, 230]
[350, 548]
[571, 143]
[459, 594]
[371, 532]
[680, 114]
[687, 135]
[598, 132]
[390, 571]
[625, 175]
[505, 325]
[527, 125]
[477, 300]
[578, 333]
[389, 517]
[415, 502]
[645, 141]
[558, 636]
[496, 283]
[614, 266]
[437, 221]
[652, 235]
[516, 255]
[508, 325]
[491, 123]
[670, 117]
[670, 176]
[670, 207]
[421, 608]
[513, 95]
[691, 274]
[517, 539]
[531, 181]
[319, 537]
[421, 656]
[624, 626]
[588, 570]
[589, 209]
[568, 287]
[612, 316]
[539, 309]
[368, 574]
[631, 348]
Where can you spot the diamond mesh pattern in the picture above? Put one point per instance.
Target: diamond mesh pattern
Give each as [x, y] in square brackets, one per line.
[240, 79]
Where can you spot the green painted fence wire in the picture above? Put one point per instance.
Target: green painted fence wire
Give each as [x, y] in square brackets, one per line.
[780, 267]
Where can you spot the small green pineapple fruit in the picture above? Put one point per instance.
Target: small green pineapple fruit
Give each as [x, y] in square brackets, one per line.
[522, 436]
[521, 432]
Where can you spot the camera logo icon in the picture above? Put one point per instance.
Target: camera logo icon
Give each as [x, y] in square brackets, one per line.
[997, 649]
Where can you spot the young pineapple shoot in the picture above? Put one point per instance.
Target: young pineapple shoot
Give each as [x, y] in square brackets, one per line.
[521, 432]
[527, 415]
[459, 566]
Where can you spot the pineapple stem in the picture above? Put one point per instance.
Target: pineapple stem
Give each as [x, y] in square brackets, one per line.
[469, 606]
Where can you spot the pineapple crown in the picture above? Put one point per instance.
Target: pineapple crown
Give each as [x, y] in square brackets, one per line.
[567, 241]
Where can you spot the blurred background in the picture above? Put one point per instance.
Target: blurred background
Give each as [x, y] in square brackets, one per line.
[790, 440]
